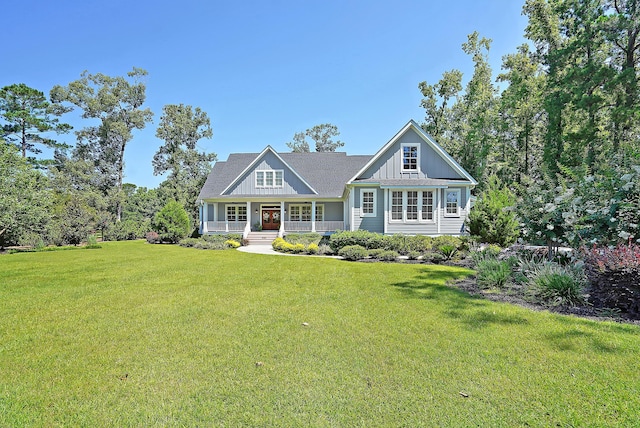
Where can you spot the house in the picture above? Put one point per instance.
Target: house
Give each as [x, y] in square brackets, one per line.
[411, 186]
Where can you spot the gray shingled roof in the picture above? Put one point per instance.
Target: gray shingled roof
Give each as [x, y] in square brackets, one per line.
[326, 172]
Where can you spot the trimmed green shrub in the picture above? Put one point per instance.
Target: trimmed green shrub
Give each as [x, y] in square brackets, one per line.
[359, 237]
[172, 222]
[374, 253]
[353, 252]
[388, 256]
[324, 249]
[432, 257]
[448, 240]
[493, 273]
[413, 255]
[303, 238]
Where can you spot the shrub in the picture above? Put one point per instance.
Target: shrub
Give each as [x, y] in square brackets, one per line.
[492, 219]
[152, 238]
[388, 256]
[353, 252]
[359, 237]
[297, 248]
[448, 240]
[231, 243]
[279, 244]
[432, 257]
[210, 245]
[374, 253]
[614, 276]
[447, 251]
[413, 255]
[324, 249]
[313, 249]
[172, 222]
[303, 238]
[126, 230]
[493, 273]
[188, 242]
[556, 285]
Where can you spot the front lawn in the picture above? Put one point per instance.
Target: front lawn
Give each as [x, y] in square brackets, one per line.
[135, 334]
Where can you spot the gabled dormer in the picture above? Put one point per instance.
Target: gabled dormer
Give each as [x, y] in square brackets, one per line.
[268, 174]
[412, 155]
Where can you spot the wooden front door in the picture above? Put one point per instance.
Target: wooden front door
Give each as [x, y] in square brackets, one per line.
[270, 219]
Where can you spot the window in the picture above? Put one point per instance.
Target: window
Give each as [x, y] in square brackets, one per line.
[412, 205]
[427, 205]
[396, 205]
[294, 212]
[303, 212]
[211, 212]
[368, 203]
[410, 158]
[236, 213]
[269, 178]
[452, 203]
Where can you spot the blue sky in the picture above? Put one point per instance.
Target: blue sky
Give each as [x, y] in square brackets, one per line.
[262, 70]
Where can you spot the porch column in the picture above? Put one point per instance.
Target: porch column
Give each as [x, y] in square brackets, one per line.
[204, 215]
[281, 230]
[313, 216]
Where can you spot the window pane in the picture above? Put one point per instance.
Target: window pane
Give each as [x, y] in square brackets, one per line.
[268, 178]
[231, 213]
[452, 203]
[278, 178]
[427, 205]
[396, 205]
[242, 213]
[410, 157]
[319, 212]
[259, 178]
[412, 205]
[306, 213]
[367, 202]
[294, 213]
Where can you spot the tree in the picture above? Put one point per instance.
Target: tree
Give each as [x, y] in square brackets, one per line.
[322, 135]
[181, 127]
[172, 222]
[299, 143]
[28, 115]
[492, 218]
[117, 103]
[24, 199]
[436, 104]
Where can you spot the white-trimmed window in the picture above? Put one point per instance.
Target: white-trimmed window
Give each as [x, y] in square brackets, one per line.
[396, 205]
[269, 178]
[368, 202]
[236, 212]
[303, 212]
[412, 206]
[452, 203]
[427, 205]
[410, 158]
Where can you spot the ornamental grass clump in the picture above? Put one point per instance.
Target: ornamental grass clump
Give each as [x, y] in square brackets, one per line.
[493, 273]
[555, 285]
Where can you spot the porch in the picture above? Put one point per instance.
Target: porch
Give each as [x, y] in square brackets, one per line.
[286, 226]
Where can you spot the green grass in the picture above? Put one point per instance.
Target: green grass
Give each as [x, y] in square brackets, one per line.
[152, 335]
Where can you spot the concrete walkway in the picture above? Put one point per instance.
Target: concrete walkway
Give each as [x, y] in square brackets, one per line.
[259, 249]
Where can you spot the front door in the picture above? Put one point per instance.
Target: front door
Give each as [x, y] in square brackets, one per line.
[270, 219]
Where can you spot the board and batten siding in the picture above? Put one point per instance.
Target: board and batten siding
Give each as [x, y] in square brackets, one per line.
[370, 223]
[291, 185]
[389, 165]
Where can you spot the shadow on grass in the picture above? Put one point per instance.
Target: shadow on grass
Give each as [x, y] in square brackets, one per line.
[581, 333]
[472, 311]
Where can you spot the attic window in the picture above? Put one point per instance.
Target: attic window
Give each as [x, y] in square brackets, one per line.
[269, 178]
[410, 156]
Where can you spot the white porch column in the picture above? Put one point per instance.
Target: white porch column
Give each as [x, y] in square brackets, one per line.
[440, 213]
[313, 216]
[204, 215]
[385, 215]
[281, 230]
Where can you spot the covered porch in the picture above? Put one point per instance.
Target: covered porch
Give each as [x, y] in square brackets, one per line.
[282, 217]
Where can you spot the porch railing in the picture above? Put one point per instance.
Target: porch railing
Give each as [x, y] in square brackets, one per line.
[226, 226]
[305, 226]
